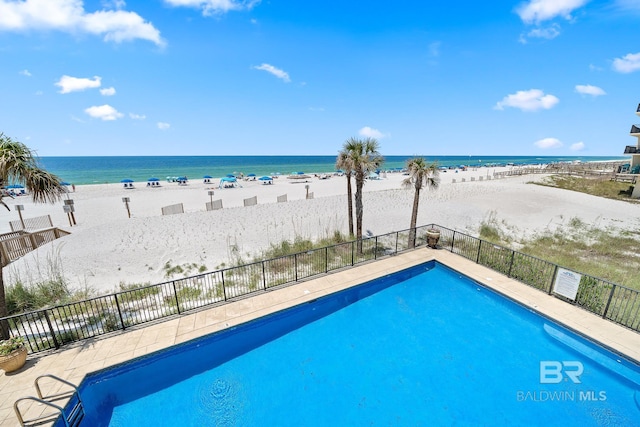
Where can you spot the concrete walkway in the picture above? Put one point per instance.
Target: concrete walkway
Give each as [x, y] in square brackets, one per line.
[76, 360]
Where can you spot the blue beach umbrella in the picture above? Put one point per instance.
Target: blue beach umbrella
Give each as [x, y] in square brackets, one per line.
[230, 175]
[252, 174]
[265, 178]
[153, 179]
[126, 180]
[64, 183]
[207, 177]
[14, 186]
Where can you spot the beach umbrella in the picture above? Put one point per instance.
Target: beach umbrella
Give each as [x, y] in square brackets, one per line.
[252, 174]
[265, 178]
[228, 179]
[64, 183]
[153, 179]
[230, 175]
[126, 180]
[14, 186]
[182, 178]
[207, 177]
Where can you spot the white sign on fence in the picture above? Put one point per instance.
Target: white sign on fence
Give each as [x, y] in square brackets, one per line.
[567, 283]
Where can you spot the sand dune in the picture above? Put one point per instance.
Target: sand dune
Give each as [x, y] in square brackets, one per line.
[107, 248]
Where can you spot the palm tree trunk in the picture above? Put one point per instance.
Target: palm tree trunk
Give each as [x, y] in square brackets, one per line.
[350, 204]
[414, 219]
[359, 209]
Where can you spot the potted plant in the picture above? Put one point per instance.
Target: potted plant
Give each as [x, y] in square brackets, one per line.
[433, 235]
[13, 354]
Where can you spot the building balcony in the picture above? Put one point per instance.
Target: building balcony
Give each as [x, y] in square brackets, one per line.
[631, 149]
[635, 130]
[638, 110]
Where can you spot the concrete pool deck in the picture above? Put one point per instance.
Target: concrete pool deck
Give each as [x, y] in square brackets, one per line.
[76, 360]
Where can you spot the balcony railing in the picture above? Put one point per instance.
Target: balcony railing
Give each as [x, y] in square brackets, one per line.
[635, 130]
[55, 326]
[631, 149]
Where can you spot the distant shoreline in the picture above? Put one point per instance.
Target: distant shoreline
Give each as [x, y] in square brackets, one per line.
[106, 170]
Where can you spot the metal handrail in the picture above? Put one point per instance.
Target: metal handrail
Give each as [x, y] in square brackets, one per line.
[55, 396]
[41, 419]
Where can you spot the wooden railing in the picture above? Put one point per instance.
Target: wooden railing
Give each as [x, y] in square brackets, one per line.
[17, 244]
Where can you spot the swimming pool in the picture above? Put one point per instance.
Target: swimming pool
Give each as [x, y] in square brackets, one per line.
[425, 346]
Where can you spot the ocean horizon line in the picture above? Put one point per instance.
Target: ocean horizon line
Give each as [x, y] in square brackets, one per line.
[80, 170]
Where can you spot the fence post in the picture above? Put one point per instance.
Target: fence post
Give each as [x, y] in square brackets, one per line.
[553, 278]
[326, 259]
[375, 250]
[53, 334]
[264, 277]
[295, 265]
[396, 243]
[352, 249]
[606, 308]
[115, 296]
[513, 255]
[479, 248]
[175, 292]
[224, 288]
[453, 238]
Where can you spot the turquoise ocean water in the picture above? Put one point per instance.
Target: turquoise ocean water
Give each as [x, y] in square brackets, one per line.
[100, 170]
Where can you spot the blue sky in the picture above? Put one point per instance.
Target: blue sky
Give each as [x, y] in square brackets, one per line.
[221, 77]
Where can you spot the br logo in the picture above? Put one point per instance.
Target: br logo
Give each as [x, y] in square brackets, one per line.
[553, 372]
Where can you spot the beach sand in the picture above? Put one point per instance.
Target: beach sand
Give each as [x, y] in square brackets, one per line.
[107, 248]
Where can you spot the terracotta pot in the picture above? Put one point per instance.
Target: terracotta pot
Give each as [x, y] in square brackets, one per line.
[14, 360]
[432, 238]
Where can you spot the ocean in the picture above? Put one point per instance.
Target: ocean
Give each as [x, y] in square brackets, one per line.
[101, 170]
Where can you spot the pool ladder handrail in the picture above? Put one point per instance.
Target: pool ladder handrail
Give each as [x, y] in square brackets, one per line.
[73, 419]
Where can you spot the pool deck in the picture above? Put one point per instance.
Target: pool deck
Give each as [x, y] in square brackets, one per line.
[74, 361]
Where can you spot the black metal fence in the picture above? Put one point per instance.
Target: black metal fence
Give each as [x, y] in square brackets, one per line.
[53, 327]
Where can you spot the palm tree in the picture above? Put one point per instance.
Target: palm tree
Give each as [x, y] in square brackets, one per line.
[364, 158]
[344, 162]
[18, 164]
[420, 174]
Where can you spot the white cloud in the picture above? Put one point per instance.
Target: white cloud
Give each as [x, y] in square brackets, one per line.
[369, 132]
[214, 7]
[548, 143]
[163, 125]
[275, 71]
[548, 33]
[25, 73]
[578, 146]
[104, 112]
[628, 63]
[113, 4]
[137, 116]
[69, 16]
[536, 11]
[528, 100]
[590, 90]
[70, 84]
[108, 91]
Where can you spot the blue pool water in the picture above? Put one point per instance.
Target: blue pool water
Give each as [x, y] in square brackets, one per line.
[421, 347]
